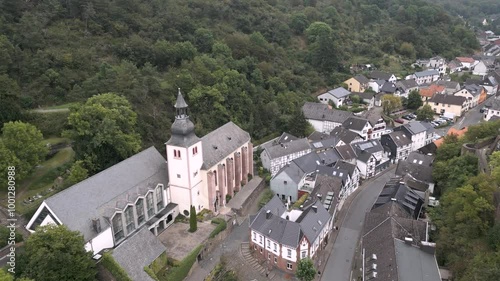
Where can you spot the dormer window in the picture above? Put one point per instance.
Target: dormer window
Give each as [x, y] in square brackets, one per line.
[129, 219]
[159, 198]
[139, 208]
[150, 205]
[118, 227]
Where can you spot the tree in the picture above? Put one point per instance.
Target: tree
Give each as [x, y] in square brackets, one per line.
[103, 131]
[77, 173]
[425, 113]
[390, 103]
[193, 222]
[298, 125]
[8, 159]
[306, 270]
[414, 100]
[25, 141]
[56, 253]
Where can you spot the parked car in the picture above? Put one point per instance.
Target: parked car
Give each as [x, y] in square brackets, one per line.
[483, 109]
[399, 121]
[434, 123]
[412, 115]
[407, 117]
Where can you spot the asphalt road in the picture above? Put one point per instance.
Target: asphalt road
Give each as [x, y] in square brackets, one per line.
[339, 264]
[472, 117]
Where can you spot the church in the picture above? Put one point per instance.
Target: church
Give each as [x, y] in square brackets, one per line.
[203, 171]
[145, 191]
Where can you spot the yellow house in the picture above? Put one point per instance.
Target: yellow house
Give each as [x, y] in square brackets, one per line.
[442, 103]
[358, 83]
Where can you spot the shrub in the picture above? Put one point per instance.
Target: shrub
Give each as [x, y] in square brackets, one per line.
[5, 234]
[193, 222]
[114, 268]
[228, 197]
[50, 124]
[178, 273]
[266, 197]
[301, 201]
[221, 226]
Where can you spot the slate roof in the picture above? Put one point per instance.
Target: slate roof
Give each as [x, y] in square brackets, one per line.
[398, 192]
[99, 195]
[300, 166]
[286, 137]
[137, 252]
[346, 152]
[493, 103]
[428, 127]
[345, 166]
[420, 158]
[328, 157]
[180, 102]
[415, 127]
[407, 84]
[361, 79]
[399, 138]
[325, 143]
[338, 92]
[474, 89]
[365, 95]
[448, 99]
[321, 112]
[355, 123]
[364, 150]
[221, 142]
[373, 116]
[290, 147]
[318, 136]
[388, 87]
[312, 222]
[419, 172]
[379, 75]
[427, 72]
[324, 184]
[415, 264]
[344, 134]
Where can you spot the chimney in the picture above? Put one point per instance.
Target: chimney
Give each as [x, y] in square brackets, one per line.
[428, 247]
[315, 208]
[96, 224]
[268, 214]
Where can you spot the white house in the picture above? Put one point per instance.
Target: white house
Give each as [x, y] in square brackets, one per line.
[416, 132]
[376, 85]
[371, 158]
[283, 238]
[323, 118]
[492, 108]
[466, 62]
[276, 156]
[112, 205]
[360, 126]
[480, 69]
[380, 75]
[404, 87]
[424, 77]
[337, 96]
[438, 63]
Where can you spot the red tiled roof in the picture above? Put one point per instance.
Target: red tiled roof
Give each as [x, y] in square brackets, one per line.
[431, 90]
[465, 59]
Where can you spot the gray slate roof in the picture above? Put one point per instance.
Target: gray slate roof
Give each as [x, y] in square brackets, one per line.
[344, 134]
[493, 103]
[364, 150]
[180, 102]
[318, 136]
[321, 112]
[361, 79]
[355, 123]
[379, 75]
[286, 137]
[300, 166]
[420, 172]
[99, 195]
[365, 95]
[338, 92]
[138, 251]
[428, 126]
[427, 72]
[311, 221]
[448, 99]
[474, 89]
[399, 138]
[415, 264]
[322, 186]
[221, 142]
[388, 87]
[346, 152]
[396, 191]
[420, 158]
[415, 127]
[407, 84]
[287, 148]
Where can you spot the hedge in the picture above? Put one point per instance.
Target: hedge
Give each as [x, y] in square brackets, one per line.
[5, 234]
[266, 197]
[114, 268]
[178, 273]
[301, 201]
[221, 226]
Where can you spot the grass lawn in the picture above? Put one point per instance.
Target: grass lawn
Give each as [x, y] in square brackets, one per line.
[61, 106]
[56, 140]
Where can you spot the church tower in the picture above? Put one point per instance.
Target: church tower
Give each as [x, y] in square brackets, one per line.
[184, 159]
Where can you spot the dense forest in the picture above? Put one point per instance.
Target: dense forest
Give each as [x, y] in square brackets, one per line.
[475, 11]
[252, 61]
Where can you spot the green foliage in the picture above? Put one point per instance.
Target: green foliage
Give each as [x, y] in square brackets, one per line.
[193, 222]
[56, 253]
[494, 237]
[301, 201]
[179, 272]
[265, 197]
[425, 113]
[50, 124]
[390, 103]
[114, 268]
[104, 131]
[305, 270]
[454, 172]
[5, 234]
[450, 148]
[299, 126]
[482, 131]
[159, 263]
[221, 272]
[24, 141]
[77, 173]
[221, 226]
[414, 100]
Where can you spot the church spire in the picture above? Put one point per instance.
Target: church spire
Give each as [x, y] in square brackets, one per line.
[180, 106]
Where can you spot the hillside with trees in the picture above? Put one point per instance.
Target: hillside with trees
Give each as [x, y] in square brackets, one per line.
[252, 61]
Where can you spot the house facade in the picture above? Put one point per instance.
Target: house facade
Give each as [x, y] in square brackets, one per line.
[283, 238]
[278, 155]
[404, 87]
[371, 158]
[416, 132]
[323, 118]
[358, 83]
[441, 104]
[492, 109]
[379, 75]
[424, 77]
[398, 144]
[480, 69]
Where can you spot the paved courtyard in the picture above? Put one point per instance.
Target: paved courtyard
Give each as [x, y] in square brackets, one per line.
[180, 242]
